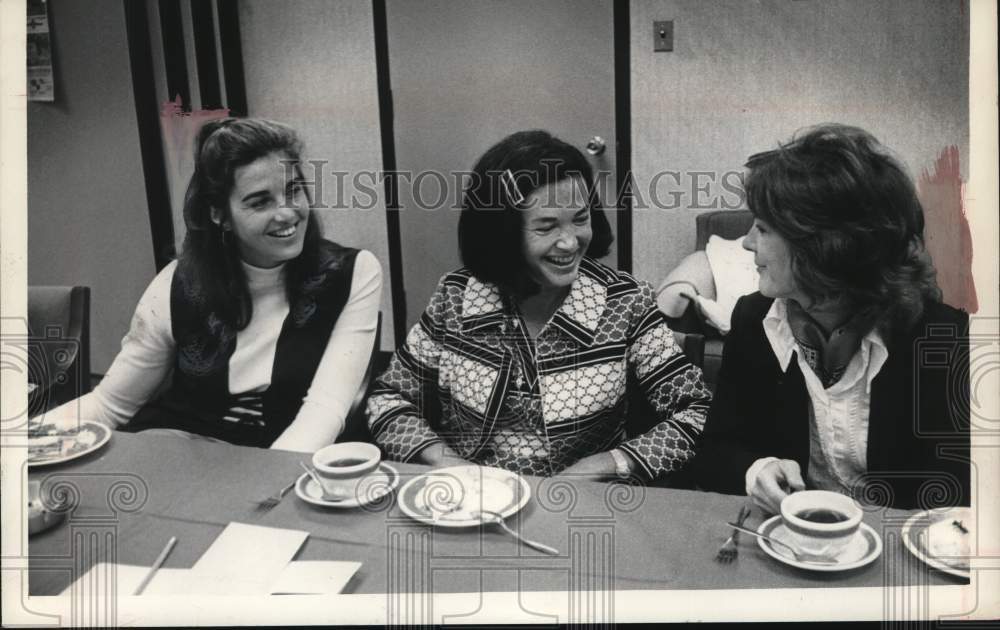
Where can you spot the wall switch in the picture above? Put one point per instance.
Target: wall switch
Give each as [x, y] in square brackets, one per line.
[663, 36]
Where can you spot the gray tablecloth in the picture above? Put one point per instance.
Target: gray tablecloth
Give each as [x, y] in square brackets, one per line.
[138, 491]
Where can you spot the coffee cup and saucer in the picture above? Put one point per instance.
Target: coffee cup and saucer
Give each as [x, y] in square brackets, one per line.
[823, 523]
[347, 475]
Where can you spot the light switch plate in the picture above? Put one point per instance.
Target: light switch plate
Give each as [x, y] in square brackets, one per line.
[663, 36]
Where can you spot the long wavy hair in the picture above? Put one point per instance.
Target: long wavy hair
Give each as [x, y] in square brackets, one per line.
[851, 217]
[210, 255]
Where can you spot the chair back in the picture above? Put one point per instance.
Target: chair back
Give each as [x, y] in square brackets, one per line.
[58, 344]
[356, 423]
[729, 224]
[704, 347]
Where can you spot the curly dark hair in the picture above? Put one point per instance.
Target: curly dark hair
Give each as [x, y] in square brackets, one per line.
[851, 217]
[490, 237]
[222, 146]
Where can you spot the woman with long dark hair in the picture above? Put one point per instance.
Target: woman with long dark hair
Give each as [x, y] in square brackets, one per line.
[845, 371]
[535, 357]
[266, 327]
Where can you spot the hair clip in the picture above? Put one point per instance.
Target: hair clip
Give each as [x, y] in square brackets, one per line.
[510, 187]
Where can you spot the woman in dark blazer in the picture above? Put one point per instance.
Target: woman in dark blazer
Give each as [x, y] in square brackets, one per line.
[845, 371]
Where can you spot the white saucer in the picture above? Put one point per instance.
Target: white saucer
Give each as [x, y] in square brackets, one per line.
[863, 548]
[376, 485]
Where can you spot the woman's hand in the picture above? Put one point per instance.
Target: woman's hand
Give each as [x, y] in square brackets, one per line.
[597, 467]
[66, 418]
[774, 482]
[440, 455]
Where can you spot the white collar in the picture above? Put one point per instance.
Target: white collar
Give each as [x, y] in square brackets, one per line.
[261, 277]
[874, 351]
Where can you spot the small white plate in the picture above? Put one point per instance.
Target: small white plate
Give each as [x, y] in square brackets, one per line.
[915, 538]
[863, 548]
[450, 497]
[376, 485]
[46, 450]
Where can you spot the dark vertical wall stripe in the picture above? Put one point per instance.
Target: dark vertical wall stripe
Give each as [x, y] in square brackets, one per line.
[150, 143]
[203, 24]
[232, 57]
[623, 132]
[389, 166]
[174, 59]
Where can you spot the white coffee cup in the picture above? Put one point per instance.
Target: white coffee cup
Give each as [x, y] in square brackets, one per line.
[820, 521]
[341, 467]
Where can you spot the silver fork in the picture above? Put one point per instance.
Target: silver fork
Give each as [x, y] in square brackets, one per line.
[493, 517]
[728, 551]
[271, 502]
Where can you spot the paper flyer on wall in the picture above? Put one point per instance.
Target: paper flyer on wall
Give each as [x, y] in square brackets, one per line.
[39, 54]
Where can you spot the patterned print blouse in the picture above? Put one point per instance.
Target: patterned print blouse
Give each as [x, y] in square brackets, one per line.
[470, 375]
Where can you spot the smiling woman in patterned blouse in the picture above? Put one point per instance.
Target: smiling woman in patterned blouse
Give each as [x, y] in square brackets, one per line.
[535, 357]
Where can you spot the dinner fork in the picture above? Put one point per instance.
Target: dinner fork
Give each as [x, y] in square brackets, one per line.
[271, 502]
[728, 551]
[493, 517]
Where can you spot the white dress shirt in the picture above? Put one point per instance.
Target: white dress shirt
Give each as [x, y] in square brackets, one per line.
[838, 415]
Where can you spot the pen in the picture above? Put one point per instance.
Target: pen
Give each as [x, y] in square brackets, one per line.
[156, 565]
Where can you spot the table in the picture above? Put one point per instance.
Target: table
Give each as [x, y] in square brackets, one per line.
[139, 490]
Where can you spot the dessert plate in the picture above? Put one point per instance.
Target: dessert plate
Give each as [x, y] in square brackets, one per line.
[942, 538]
[456, 496]
[49, 445]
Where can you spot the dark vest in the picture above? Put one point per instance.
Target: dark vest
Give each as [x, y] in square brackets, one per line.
[199, 400]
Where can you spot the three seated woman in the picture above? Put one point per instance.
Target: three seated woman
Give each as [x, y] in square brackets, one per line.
[537, 358]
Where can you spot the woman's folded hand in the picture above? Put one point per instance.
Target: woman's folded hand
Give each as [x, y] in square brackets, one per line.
[440, 455]
[597, 467]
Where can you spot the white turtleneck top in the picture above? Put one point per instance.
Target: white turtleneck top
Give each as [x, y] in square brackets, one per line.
[143, 366]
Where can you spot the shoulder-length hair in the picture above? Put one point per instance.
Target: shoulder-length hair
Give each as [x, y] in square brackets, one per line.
[851, 217]
[490, 234]
[210, 255]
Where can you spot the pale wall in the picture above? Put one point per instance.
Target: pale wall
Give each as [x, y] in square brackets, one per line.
[88, 221]
[745, 74]
[311, 64]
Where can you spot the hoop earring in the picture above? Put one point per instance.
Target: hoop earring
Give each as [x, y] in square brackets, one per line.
[225, 240]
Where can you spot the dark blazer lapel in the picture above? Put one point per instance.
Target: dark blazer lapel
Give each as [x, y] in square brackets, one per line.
[792, 407]
[890, 410]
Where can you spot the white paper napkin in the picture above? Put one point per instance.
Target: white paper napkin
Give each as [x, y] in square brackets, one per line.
[244, 559]
[314, 577]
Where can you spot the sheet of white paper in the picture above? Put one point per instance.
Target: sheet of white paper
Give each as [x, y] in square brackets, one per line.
[245, 559]
[314, 577]
[126, 577]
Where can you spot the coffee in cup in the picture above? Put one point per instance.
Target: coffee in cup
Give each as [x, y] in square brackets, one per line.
[341, 467]
[820, 521]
